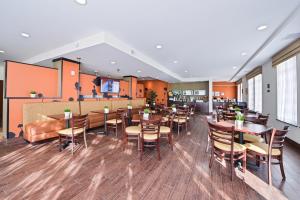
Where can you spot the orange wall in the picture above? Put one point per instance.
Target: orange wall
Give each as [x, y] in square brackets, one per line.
[86, 81]
[140, 90]
[157, 86]
[229, 89]
[68, 84]
[23, 78]
[124, 88]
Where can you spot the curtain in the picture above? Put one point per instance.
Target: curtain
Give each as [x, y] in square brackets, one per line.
[251, 94]
[287, 91]
[258, 93]
[239, 92]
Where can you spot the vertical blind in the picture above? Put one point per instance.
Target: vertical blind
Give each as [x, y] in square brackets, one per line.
[287, 91]
[240, 92]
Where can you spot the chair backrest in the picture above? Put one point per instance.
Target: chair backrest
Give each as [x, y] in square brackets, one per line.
[221, 134]
[229, 115]
[79, 122]
[277, 139]
[150, 126]
[262, 119]
[124, 121]
[181, 114]
[171, 118]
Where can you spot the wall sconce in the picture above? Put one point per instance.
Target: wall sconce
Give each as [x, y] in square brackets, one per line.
[72, 73]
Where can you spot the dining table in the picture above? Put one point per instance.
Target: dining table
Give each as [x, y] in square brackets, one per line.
[62, 117]
[105, 118]
[241, 129]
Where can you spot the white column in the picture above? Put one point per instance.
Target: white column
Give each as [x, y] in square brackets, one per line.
[210, 97]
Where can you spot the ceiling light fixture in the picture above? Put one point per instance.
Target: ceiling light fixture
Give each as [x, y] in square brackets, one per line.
[262, 27]
[1, 51]
[243, 53]
[175, 61]
[113, 62]
[25, 35]
[159, 46]
[185, 71]
[81, 2]
[234, 67]
[138, 71]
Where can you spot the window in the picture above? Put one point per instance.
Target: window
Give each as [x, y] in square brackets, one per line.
[255, 93]
[240, 92]
[287, 91]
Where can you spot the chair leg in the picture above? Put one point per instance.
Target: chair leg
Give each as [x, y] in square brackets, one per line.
[116, 130]
[142, 149]
[269, 171]
[171, 140]
[211, 158]
[158, 150]
[208, 144]
[59, 136]
[125, 142]
[186, 128]
[281, 168]
[72, 145]
[244, 161]
[178, 129]
[84, 137]
[232, 168]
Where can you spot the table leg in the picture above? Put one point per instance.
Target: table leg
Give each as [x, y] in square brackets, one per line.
[241, 138]
[129, 117]
[105, 125]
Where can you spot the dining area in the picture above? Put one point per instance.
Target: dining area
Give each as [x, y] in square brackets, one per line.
[245, 140]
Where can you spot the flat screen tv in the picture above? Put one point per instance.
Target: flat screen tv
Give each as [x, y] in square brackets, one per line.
[110, 85]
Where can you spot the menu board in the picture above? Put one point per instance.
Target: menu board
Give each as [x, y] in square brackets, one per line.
[187, 92]
[200, 92]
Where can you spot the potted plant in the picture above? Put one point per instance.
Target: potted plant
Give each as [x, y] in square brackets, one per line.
[33, 94]
[147, 105]
[106, 109]
[129, 106]
[237, 109]
[174, 108]
[146, 114]
[67, 113]
[239, 119]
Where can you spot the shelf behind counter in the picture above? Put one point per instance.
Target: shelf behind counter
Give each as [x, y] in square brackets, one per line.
[200, 107]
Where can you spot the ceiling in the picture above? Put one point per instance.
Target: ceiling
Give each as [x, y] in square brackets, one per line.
[205, 37]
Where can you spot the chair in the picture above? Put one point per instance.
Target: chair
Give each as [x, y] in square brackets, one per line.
[166, 131]
[229, 116]
[180, 120]
[150, 134]
[130, 132]
[78, 127]
[267, 152]
[113, 123]
[262, 119]
[224, 147]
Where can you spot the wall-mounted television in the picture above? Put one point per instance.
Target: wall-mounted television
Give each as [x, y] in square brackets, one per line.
[110, 85]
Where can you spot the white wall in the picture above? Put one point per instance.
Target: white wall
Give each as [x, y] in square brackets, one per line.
[269, 103]
[2, 70]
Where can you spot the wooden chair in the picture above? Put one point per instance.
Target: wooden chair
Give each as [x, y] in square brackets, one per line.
[166, 131]
[114, 123]
[78, 127]
[180, 120]
[229, 115]
[130, 132]
[224, 147]
[266, 153]
[150, 134]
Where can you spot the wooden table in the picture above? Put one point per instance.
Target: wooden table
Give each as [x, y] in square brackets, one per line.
[248, 127]
[62, 117]
[105, 118]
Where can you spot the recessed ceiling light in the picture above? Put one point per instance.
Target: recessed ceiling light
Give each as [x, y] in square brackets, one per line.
[25, 35]
[262, 27]
[234, 67]
[159, 46]
[1, 51]
[185, 71]
[243, 53]
[138, 71]
[175, 61]
[113, 62]
[81, 2]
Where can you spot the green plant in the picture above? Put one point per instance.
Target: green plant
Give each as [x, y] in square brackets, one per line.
[240, 117]
[151, 97]
[33, 92]
[146, 111]
[129, 104]
[105, 107]
[237, 109]
[173, 106]
[67, 110]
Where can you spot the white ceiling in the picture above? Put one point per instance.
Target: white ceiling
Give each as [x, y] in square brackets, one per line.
[206, 37]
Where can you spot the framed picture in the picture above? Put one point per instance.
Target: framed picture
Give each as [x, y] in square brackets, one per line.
[187, 92]
[199, 92]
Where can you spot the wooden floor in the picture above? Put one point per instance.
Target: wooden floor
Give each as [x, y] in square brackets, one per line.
[104, 171]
